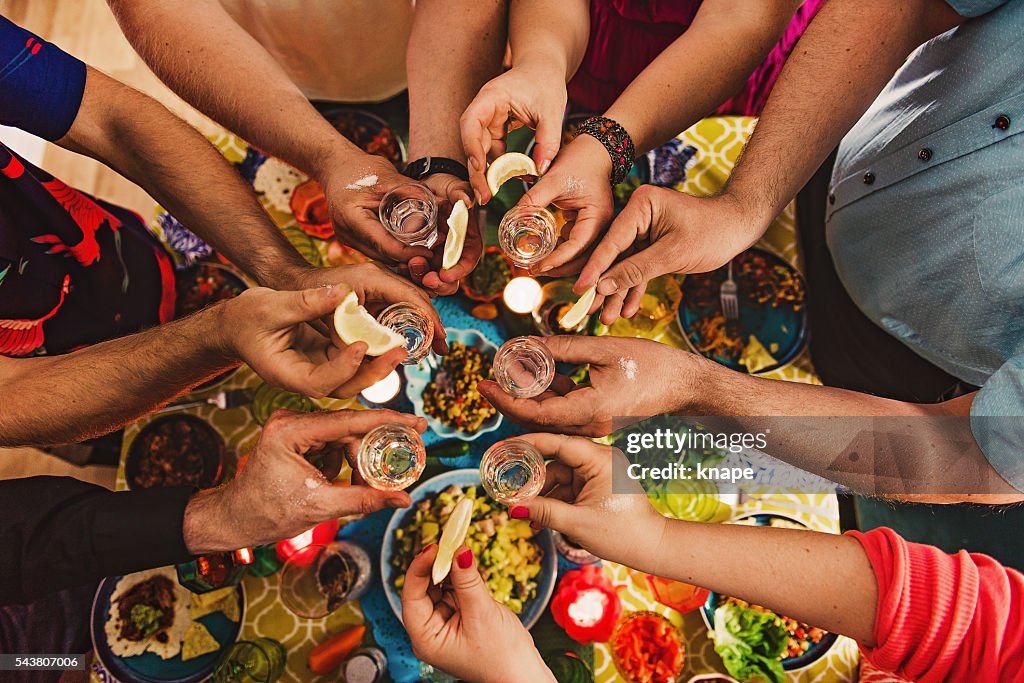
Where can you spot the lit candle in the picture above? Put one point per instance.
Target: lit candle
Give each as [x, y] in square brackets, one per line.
[522, 294]
[321, 534]
[588, 608]
[384, 390]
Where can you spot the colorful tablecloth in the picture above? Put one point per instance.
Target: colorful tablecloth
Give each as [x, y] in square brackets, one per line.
[719, 142]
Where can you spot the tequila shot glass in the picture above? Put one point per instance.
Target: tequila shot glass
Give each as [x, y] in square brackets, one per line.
[524, 367]
[409, 213]
[408, 321]
[391, 457]
[512, 471]
[527, 234]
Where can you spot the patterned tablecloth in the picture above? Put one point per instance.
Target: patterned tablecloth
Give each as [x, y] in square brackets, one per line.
[719, 142]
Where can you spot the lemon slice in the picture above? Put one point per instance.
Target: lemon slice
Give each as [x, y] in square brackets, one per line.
[575, 315]
[458, 221]
[507, 166]
[455, 530]
[355, 324]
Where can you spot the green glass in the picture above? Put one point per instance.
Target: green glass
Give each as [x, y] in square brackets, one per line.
[267, 399]
[252, 661]
[265, 561]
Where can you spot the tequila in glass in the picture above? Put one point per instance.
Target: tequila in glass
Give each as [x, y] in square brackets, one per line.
[391, 457]
[527, 234]
[512, 471]
[409, 213]
[524, 367]
[408, 321]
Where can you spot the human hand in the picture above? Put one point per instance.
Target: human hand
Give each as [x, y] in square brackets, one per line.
[525, 95]
[278, 493]
[628, 378]
[578, 184]
[664, 231]
[377, 288]
[449, 190]
[456, 625]
[578, 499]
[267, 329]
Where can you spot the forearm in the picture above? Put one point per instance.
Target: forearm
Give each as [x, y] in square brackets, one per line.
[721, 557]
[63, 399]
[455, 47]
[215, 65]
[693, 75]
[874, 445]
[828, 82]
[551, 35]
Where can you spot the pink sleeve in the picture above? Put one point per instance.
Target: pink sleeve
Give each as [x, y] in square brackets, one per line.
[944, 617]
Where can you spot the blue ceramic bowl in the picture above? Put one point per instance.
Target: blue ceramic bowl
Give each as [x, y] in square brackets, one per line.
[148, 667]
[817, 650]
[430, 488]
[417, 377]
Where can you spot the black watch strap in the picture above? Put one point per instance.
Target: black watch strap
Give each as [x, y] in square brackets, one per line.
[428, 166]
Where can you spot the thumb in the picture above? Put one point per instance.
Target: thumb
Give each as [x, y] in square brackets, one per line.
[549, 139]
[305, 305]
[342, 500]
[470, 590]
[544, 512]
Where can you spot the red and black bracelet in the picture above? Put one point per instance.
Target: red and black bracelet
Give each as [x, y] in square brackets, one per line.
[616, 140]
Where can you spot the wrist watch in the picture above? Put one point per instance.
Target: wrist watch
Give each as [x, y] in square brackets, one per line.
[428, 166]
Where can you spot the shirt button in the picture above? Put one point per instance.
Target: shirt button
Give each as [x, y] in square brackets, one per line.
[1002, 122]
[925, 154]
[869, 178]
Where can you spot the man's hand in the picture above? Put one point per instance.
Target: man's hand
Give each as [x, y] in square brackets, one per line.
[531, 95]
[663, 231]
[628, 378]
[279, 493]
[268, 330]
[449, 190]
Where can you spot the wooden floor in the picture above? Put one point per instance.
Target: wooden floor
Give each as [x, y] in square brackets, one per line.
[87, 30]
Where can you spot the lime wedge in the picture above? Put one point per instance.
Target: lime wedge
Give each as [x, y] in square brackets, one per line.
[355, 324]
[458, 221]
[575, 315]
[508, 166]
[454, 533]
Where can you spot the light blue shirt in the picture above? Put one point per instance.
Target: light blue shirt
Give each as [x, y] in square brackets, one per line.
[926, 215]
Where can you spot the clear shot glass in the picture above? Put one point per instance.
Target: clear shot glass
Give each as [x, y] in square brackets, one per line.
[524, 367]
[512, 471]
[391, 457]
[409, 212]
[413, 325]
[527, 234]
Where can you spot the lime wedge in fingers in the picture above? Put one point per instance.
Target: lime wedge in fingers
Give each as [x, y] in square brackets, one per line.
[575, 315]
[458, 221]
[455, 530]
[355, 324]
[508, 166]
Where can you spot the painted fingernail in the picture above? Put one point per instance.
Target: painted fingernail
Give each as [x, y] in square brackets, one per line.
[519, 512]
[427, 549]
[465, 558]
[544, 166]
[418, 270]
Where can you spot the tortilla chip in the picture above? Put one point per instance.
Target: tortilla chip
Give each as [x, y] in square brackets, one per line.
[230, 608]
[755, 357]
[208, 599]
[197, 642]
[226, 603]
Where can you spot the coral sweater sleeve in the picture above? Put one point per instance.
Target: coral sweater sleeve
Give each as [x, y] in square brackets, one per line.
[944, 617]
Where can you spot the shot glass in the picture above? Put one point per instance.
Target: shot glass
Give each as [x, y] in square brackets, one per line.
[408, 321]
[409, 212]
[512, 471]
[318, 579]
[527, 234]
[391, 457]
[524, 367]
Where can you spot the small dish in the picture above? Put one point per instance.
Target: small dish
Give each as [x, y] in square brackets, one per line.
[175, 450]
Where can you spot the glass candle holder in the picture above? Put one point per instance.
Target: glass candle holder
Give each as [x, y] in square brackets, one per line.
[319, 579]
[391, 457]
[556, 297]
[524, 367]
[408, 321]
[409, 213]
[527, 234]
[512, 471]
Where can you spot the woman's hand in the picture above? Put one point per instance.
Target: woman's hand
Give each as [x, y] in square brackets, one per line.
[529, 94]
[460, 629]
[588, 496]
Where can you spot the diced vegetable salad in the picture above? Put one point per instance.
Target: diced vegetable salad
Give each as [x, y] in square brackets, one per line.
[509, 559]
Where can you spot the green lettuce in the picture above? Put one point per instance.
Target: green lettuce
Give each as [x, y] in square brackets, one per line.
[750, 643]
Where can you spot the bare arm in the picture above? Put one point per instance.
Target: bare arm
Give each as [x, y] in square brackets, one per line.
[140, 139]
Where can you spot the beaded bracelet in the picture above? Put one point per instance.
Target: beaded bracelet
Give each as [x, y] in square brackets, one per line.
[616, 140]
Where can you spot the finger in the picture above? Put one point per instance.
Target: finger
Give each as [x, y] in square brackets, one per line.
[549, 513]
[476, 142]
[562, 412]
[368, 229]
[342, 499]
[418, 267]
[631, 305]
[585, 231]
[561, 385]
[612, 307]
[325, 377]
[570, 451]
[549, 139]
[432, 281]
[304, 305]
[309, 431]
[371, 372]
[545, 192]
[472, 248]
[472, 594]
[417, 605]
[576, 350]
[634, 221]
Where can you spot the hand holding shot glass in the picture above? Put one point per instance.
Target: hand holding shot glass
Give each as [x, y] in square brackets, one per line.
[409, 213]
[391, 457]
[512, 471]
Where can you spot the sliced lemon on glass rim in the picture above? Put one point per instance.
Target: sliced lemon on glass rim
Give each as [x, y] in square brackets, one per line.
[508, 166]
[355, 324]
[575, 315]
[455, 530]
[458, 222]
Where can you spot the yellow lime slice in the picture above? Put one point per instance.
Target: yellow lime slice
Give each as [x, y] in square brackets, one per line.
[575, 315]
[457, 224]
[507, 166]
[455, 530]
[355, 324]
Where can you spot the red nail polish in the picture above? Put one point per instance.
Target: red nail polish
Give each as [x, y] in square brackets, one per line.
[427, 549]
[465, 559]
[519, 512]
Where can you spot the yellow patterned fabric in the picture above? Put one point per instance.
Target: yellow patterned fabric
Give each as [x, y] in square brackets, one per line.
[719, 142]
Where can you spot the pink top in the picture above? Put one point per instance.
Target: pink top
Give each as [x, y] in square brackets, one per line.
[944, 617]
[627, 35]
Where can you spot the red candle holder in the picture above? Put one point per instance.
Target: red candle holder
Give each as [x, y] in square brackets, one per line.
[586, 605]
[321, 534]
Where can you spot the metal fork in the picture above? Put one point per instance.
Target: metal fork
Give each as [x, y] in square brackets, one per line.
[728, 297]
[225, 400]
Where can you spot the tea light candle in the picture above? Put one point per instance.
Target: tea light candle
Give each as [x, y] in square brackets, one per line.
[522, 294]
[384, 390]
